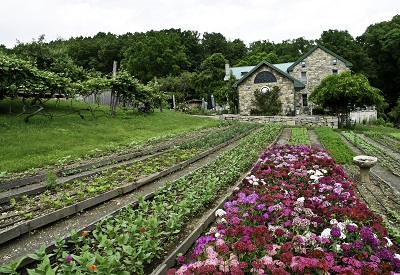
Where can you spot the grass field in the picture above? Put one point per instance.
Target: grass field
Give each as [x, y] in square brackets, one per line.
[67, 136]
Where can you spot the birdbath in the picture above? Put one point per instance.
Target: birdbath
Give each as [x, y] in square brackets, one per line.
[365, 163]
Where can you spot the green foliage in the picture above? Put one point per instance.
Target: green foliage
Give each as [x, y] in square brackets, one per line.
[17, 74]
[337, 148]
[395, 114]
[155, 54]
[232, 95]
[210, 79]
[299, 137]
[339, 91]
[381, 42]
[268, 103]
[255, 58]
[49, 57]
[181, 86]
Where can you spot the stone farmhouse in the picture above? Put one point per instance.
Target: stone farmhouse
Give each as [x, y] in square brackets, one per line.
[296, 80]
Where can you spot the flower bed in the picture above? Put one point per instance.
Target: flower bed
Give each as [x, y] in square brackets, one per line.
[296, 213]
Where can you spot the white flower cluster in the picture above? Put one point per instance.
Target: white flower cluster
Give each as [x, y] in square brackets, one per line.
[316, 174]
[220, 213]
[252, 179]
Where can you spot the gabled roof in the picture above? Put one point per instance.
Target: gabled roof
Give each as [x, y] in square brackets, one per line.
[348, 63]
[297, 83]
[238, 72]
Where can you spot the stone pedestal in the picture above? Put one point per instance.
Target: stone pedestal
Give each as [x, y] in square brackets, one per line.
[365, 163]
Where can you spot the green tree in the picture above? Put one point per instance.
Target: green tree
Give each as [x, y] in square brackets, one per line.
[214, 43]
[97, 53]
[394, 114]
[155, 54]
[255, 58]
[211, 78]
[291, 50]
[181, 86]
[344, 91]
[381, 41]
[266, 103]
[52, 57]
[236, 51]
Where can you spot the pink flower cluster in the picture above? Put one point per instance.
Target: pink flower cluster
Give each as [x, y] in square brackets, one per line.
[296, 213]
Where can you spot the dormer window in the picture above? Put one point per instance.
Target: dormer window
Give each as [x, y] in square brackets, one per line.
[303, 64]
[334, 61]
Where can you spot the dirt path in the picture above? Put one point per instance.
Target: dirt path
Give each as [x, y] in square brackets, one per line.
[284, 137]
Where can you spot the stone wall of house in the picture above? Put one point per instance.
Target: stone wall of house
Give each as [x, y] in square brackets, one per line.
[247, 87]
[304, 121]
[318, 65]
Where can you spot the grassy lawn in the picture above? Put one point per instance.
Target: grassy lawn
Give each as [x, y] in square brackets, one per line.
[44, 142]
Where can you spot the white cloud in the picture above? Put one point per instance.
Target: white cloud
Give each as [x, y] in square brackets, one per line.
[250, 21]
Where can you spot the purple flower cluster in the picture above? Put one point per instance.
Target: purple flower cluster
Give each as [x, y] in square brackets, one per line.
[295, 213]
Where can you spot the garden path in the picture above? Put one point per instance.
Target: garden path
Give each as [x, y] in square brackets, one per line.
[392, 180]
[284, 136]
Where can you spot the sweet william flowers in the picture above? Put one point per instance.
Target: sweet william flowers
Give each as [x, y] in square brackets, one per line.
[296, 213]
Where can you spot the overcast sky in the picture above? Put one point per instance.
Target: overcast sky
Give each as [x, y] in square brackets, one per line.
[248, 20]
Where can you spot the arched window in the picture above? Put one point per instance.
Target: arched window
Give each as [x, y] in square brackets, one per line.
[264, 77]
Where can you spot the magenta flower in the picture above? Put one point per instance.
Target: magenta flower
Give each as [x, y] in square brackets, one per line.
[335, 232]
[68, 258]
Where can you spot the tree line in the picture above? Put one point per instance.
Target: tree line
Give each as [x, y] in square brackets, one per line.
[189, 64]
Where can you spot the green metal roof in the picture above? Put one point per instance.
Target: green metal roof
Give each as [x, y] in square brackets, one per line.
[238, 72]
[291, 67]
[297, 83]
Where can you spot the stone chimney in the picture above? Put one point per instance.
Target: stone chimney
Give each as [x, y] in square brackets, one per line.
[227, 69]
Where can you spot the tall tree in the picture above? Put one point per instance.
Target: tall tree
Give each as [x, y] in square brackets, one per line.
[291, 50]
[381, 41]
[214, 43]
[211, 78]
[180, 86]
[155, 54]
[236, 51]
